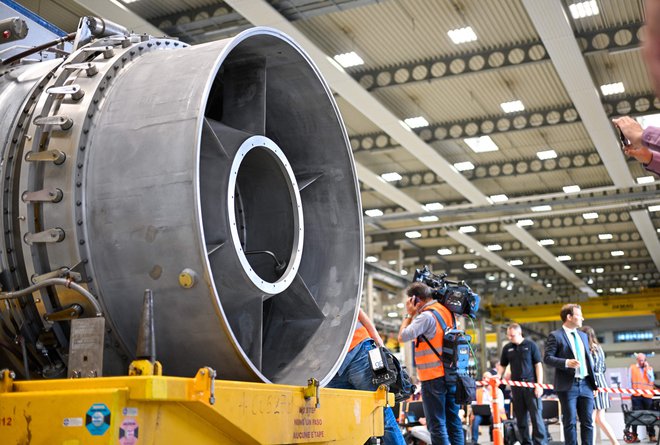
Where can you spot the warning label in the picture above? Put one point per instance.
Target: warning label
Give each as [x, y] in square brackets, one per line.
[307, 425]
[128, 431]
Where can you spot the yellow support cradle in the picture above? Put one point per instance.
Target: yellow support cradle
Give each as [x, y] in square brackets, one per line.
[152, 409]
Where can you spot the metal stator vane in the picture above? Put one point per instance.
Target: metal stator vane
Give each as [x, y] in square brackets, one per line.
[219, 176]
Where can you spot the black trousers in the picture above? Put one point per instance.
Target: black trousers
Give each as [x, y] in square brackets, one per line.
[524, 403]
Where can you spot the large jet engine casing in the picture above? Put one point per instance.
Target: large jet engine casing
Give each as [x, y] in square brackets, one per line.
[219, 176]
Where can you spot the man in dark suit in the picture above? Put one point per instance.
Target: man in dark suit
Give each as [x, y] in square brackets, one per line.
[567, 350]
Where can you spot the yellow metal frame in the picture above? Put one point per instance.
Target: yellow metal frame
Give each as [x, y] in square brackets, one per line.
[188, 411]
[645, 303]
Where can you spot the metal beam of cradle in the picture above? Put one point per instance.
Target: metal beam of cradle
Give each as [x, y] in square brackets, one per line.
[261, 13]
[495, 259]
[551, 22]
[547, 256]
[118, 13]
[631, 305]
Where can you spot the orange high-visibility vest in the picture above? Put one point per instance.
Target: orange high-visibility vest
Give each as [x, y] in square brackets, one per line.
[359, 335]
[640, 379]
[429, 366]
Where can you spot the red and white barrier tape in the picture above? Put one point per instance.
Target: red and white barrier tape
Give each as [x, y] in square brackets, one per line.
[546, 386]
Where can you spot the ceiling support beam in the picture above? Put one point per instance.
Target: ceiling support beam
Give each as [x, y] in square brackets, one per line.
[639, 105]
[551, 22]
[387, 190]
[547, 256]
[648, 233]
[498, 261]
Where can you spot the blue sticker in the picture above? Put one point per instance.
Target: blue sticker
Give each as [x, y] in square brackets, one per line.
[97, 419]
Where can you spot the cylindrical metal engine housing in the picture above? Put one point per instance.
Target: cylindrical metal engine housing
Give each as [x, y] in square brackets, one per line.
[219, 176]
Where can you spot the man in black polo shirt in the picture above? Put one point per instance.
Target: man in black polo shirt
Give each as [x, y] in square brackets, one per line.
[524, 358]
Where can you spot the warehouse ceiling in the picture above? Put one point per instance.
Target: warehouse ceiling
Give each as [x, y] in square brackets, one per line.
[481, 130]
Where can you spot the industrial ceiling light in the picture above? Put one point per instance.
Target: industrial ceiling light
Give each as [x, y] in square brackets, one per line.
[547, 154]
[391, 177]
[655, 208]
[467, 229]
[373, 212]
[429, 218]
[525, 223]
[481, 144]
[612, 88]
[470, 266]
[516, 262]
[494, 247]
[463, 166]
[433, 206]
[445, 251]
[605, 236]
[564, 258]
[413, 234]
[571, 189]
[462, 35]
[584, 9]
[546, 242]
[649, 120]
[617, 253]
[590, 215]
[499, 198]
[416, 122]
[541, 208]
[348, 60]
[645, 179]
[512, 107]
[371, 259]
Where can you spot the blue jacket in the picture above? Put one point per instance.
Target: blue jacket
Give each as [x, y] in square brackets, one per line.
[558, 350]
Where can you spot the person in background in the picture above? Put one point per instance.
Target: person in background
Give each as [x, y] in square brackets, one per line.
[355, 372]
[642, 377]
[601, 399]
[484, 397]
[567, 350]
[524, 358]
[644, 144]
[438, 395]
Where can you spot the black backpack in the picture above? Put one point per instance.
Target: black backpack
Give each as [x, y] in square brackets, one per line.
[402, 386]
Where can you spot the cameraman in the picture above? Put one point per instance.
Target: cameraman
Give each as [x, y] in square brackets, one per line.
[355, 372]
[438, 395]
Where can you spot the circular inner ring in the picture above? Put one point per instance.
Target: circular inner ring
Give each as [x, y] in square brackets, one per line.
[265, 214]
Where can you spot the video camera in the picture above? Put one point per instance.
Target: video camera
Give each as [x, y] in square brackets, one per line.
[454, 295]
